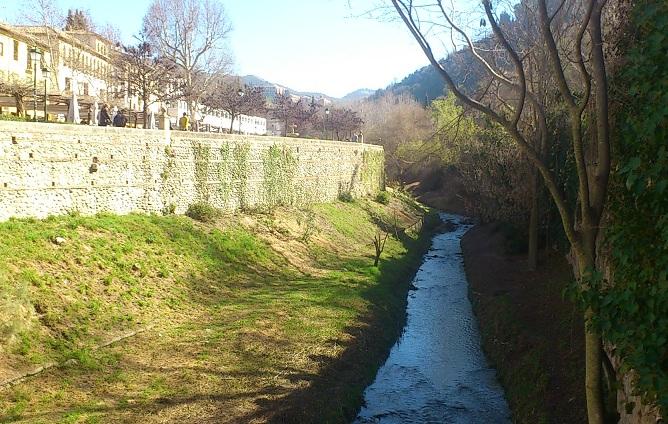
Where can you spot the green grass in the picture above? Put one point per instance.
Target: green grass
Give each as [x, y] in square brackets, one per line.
[523, 375]
[233, 315]
[533, 339]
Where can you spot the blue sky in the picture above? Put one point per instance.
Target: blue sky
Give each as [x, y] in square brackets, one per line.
[308, 45]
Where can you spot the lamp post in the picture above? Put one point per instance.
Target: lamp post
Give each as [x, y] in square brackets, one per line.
[35, 55]
[240, 93]
[324, 123]
[45, 74]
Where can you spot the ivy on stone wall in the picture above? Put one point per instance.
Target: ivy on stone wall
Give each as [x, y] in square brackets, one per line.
[202, 156]
[280, 167]
[169, 194]
[241, 172]
[373, 169]
[225, 174]
[633, 310]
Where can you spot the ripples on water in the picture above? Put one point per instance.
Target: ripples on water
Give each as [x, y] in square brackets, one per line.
[436, 372]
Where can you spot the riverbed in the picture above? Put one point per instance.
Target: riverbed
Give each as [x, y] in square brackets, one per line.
[436, 372]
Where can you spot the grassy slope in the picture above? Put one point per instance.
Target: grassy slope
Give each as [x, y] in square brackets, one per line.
[252, 318]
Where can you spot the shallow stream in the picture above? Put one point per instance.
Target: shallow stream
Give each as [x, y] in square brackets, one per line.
[437, 372]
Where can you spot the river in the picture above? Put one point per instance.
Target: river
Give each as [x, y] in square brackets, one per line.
[437, 372]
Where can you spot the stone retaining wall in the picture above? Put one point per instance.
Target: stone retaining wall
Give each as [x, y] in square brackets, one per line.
[51, 169]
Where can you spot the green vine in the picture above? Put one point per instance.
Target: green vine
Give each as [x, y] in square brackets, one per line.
[373, 170]
[168, 190]
[632, 311]
[225, 174]
[280, 168]
[241, 172]
[202, 155]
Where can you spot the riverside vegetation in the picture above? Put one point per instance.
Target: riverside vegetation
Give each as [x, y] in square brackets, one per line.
[248, 317]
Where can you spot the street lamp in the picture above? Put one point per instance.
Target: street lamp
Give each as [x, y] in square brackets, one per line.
[324, 123]
[45, 74]
[240, 93]
[35, 55]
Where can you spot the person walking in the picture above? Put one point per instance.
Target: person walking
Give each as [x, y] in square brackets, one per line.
[104, 118]
[120, 120]
[184, 122]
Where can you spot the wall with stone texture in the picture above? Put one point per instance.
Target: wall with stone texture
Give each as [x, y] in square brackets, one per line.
[52, 169]
[630, 406]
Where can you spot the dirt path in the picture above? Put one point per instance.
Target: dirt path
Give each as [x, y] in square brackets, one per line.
[531, 334]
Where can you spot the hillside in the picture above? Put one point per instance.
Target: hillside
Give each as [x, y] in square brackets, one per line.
[359, 94]
[245, 319]
[425, 84]
[356, 95]
[255, 81]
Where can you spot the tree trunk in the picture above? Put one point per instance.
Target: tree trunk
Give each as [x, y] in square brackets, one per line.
[594, 388]
[232, 124]
[20, 107]
[532, 259]
[145, 112]
[593, 344]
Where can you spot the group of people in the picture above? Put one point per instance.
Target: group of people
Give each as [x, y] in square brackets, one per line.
[116, 117]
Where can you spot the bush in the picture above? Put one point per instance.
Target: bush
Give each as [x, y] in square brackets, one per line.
[15, 118]
[346, 196]
[169, 209]
[383, 197]
[203, 212]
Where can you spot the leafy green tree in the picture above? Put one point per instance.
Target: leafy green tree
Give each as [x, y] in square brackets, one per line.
[633, 312]
[78, 20]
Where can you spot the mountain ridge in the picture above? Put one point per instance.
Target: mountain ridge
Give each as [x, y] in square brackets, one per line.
[255, 81]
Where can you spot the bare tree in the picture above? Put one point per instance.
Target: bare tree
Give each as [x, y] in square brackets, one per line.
[343, 122]
[141, 72]
[392, 121]
[47, 15]
[292, 112]
[192, 34]
[19, 88]
[230, 95]
[570, 32]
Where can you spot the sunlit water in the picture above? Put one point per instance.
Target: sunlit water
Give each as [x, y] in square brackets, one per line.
[436, 372]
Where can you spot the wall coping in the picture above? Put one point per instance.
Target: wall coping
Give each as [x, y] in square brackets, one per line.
[41, 127]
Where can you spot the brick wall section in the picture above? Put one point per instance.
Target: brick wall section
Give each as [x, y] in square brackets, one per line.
[52, 169]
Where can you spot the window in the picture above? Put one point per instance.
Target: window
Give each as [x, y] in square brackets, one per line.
[68, 84]
[2, 49]
[16, 50]
[85, 89]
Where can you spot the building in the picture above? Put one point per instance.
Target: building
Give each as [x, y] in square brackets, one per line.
[17, 68]
[78, 60]
[14, 57]
[87, 64]
[219, 121]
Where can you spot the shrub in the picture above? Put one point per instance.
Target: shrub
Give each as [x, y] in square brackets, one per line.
[203, 212]
[346, 196]
[169, 209]
[15, 118]
[383, 197]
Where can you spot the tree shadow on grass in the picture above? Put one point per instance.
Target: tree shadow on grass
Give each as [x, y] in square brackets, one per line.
[335, 393]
